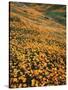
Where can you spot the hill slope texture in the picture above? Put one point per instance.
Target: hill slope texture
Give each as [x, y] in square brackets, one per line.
[37, 43]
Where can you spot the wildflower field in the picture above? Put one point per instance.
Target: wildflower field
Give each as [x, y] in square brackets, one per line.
[37, 45]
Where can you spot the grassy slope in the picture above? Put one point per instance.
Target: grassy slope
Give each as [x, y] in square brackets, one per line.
[35, 36]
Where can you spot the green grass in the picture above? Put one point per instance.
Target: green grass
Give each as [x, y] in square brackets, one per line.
[60, 17]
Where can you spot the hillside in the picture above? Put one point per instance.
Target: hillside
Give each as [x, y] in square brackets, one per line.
[37, 45]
